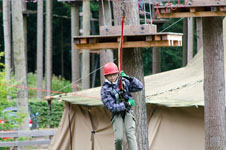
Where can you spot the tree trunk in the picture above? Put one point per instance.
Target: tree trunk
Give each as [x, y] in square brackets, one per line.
[85, 53]
[156, 60]
[199, 33]
[39, 48]
[214, 83]
[190, 39]
[7, 36]
[75, 53]
[133, 65]
[62, 49]
[105, 55]
[19, 59]
[24, 9]
[185, 41]
[48, 68]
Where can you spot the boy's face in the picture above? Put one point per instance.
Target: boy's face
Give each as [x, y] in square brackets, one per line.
[112, 77]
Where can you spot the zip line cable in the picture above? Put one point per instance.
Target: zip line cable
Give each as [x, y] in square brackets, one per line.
[172, 24]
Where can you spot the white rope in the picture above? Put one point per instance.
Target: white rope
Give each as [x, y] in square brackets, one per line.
[103, 12]
[145, 18]
[150, 7]
[172, 25]
[109, 5]
[81, 78]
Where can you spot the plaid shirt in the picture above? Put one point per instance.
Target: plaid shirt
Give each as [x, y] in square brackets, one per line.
[109, 90]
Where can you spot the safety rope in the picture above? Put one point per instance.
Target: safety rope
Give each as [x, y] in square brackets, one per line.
[121, 43]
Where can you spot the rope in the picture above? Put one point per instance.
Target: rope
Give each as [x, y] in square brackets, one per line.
[145, 17]
[109, 5]
[121, 43]
[172, 25]
[103, 12]
[150, 7]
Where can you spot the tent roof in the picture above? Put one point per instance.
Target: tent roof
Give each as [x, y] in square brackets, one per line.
[176, 88]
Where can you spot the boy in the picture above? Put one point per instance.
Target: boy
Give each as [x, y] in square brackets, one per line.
[120, 103]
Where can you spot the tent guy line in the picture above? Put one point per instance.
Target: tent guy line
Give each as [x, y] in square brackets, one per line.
[49, 97]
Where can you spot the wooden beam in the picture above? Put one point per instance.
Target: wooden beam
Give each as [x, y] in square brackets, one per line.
[136, 44]
[128, 29]
[25, 143]
[207, 2]
[193, 14]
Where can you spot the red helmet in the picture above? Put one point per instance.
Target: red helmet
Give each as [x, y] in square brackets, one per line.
[110, 68]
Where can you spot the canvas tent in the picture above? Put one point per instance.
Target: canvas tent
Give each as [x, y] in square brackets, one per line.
[174, 110]
[175, 113]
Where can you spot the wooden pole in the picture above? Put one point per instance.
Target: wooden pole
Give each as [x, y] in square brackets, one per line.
[85, 54]
[75, 53]
[190, 39]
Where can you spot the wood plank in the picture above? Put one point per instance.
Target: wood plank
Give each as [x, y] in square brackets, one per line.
[149, 38]
[119, 35]
[207, 2]
[129, 29]
[83, 41]
[93, 41]
[193, 9]
[114, 45]
[195, 14]
[25, 143]
[27, 133]
[157, 37]
[222, 8]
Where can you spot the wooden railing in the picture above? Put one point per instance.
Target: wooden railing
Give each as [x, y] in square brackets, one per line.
[32, 133]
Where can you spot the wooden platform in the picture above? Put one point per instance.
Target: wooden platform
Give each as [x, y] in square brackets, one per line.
[98, 42]
[179, 11]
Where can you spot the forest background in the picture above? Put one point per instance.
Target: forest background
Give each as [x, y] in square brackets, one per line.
[171, 57]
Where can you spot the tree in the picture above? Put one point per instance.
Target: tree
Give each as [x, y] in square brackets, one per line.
[75, 53]
[156, 60]
[24, 9]
[7, 36]
[85, 53]
[214, 83]
[199, 33]
[19, 59]
[105, 55]
[185, 41]
[48, 68]
[190, 39]
[39, 48]
[133, 65]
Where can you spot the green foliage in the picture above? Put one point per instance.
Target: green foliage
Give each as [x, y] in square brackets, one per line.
[61, 85]
[47, 118]
[147, 60]
[171, 57]
[58, 85]
[14, 119]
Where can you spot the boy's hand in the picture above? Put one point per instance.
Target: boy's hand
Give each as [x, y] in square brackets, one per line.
[123, 74]
[127, 105]
[132, 102]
